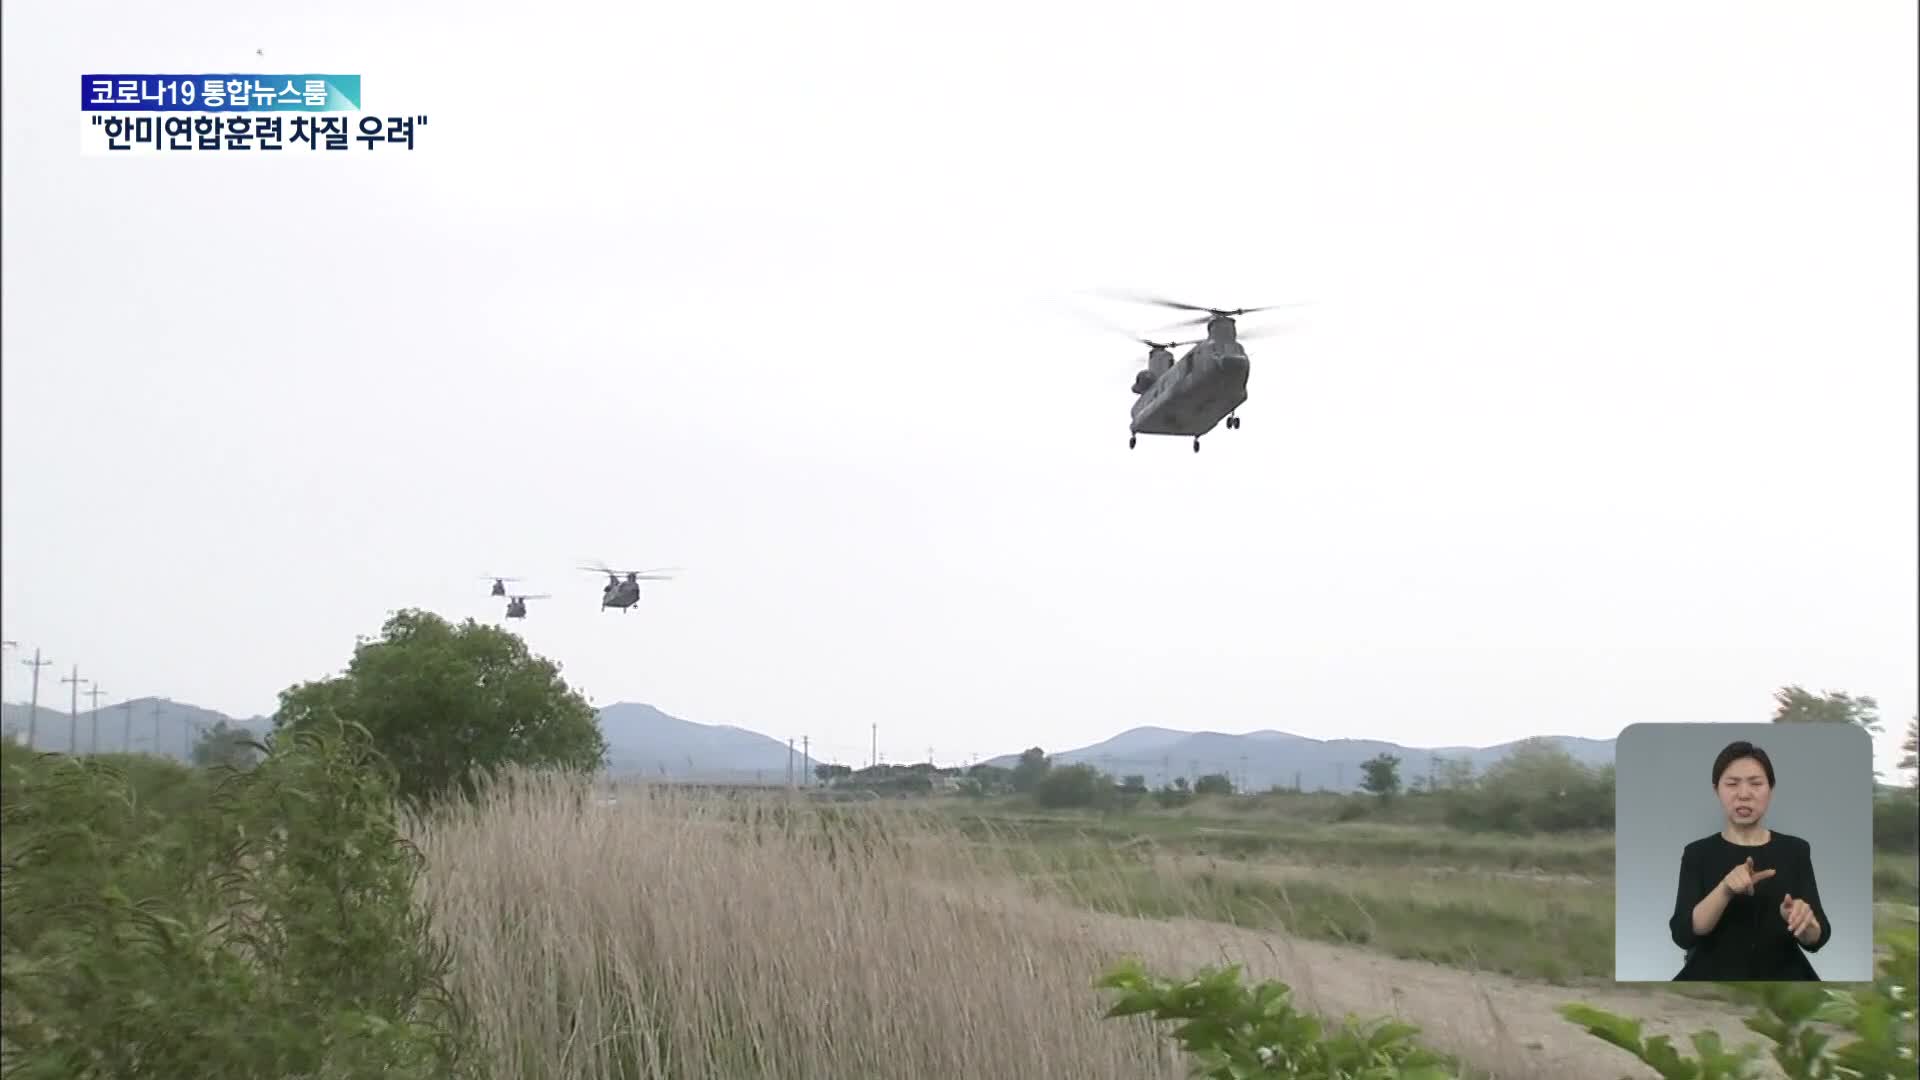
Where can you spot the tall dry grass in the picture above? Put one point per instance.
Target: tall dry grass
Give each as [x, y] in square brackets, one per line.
[688, 936]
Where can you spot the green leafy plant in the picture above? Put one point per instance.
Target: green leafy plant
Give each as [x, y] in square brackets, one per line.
[449, 704]
[271, 930]
[1879, 1017]
[1234, 1032]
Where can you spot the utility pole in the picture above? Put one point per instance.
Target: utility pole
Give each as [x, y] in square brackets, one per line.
[93, 736]
[789, 762]
[930, 757]
[4, 645]
[874, 757]
[33, 709]
[186, 741]
[73, 718]
[156, 728]
[806, 756]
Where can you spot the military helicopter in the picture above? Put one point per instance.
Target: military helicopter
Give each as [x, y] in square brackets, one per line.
[1192, 395]
[624, 594]
[517, 605]
[500, 585]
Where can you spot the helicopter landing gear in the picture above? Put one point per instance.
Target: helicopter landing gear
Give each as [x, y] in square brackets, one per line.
[1233, 422]
[1196, 444]
[1132, 441]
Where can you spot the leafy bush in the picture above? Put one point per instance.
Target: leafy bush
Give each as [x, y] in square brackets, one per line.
[1896, 823]
[1234, 1032]
[448, 704]
[272, 932]
[1537, 788]
[1213, 784]
[1073, 787]
[1879, 1016]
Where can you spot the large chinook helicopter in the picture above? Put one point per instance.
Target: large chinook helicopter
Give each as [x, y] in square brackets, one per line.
[517, 605]
[1193, 394]
[623, 594]
[500, 585]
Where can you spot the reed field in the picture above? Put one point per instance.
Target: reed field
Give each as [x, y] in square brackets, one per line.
[647, 932]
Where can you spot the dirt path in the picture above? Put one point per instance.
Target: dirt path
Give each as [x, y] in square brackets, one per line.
[1504, 1025]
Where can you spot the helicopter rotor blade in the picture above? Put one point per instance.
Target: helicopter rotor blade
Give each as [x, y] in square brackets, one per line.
[1147, 298]
[1261, 332]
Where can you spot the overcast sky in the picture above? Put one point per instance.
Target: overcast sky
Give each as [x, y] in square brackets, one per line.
[1602, 409]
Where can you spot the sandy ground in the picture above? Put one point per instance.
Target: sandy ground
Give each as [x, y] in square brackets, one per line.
[1505, 1025]
[1501, 1024]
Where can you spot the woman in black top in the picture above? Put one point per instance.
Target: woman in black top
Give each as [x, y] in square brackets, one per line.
[1748, 909]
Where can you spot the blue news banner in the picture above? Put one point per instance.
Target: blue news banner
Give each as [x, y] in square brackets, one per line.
[236, 112]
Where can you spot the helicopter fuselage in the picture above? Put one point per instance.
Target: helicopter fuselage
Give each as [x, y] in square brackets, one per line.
[1196, 392]
[621, 595]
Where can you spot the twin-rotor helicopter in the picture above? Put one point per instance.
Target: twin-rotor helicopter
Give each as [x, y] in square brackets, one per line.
[1190, 396]
[619, 592]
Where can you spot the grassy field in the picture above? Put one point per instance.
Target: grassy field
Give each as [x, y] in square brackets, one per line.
[669, 934]
[652, 933]
[1536, 907]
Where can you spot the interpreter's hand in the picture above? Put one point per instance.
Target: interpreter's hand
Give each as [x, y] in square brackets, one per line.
[1741, 879]
[1800, 920]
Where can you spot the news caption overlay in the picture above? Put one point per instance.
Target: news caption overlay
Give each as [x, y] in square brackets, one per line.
[162, 114]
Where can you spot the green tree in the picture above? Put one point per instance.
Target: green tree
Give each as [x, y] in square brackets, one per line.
[1134, 784]
[225, 745]
[827, 774]
[1456, 774]
[1796, 705]
[1073, 786]
[1910, 749]
[445, 704]
[1213, 784]
[1031, 770]
[1383, 775]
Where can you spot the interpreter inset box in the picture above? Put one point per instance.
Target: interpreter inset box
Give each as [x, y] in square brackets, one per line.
[1743, 853]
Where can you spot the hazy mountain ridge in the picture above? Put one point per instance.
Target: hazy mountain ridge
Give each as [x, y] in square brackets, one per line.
[1263, 759]
[127, 726]
[641, 740]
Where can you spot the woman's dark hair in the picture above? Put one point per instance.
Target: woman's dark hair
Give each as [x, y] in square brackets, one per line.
[1737, 750]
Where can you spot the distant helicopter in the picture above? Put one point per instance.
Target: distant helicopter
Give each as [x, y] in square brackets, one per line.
[1191, 395]
[500, 585]
[624, 594]
[517, 605]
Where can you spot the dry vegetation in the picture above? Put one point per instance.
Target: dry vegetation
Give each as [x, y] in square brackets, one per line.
[694, 936]
[668, 935]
